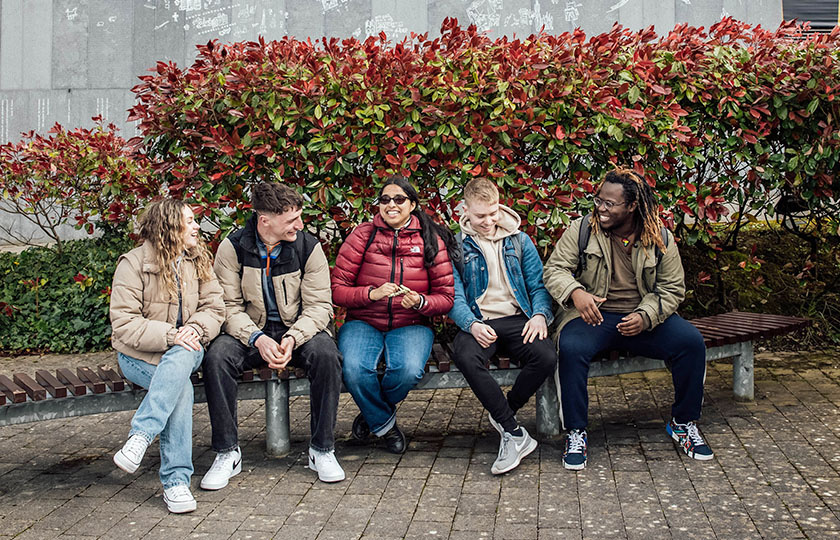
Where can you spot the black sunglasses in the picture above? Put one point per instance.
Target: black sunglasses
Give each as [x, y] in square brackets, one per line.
[398, 200]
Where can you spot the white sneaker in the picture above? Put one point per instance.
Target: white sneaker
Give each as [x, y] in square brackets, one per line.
[224, 467]
[128, 457]
[178, 499]
[326, 465]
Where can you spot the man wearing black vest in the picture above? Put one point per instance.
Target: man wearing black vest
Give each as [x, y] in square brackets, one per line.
[617, 274]
[276, 283]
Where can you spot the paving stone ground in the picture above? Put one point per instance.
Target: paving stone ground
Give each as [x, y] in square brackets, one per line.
[775, 474]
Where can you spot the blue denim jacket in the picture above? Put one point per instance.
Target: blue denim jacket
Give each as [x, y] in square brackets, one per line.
[525, 276]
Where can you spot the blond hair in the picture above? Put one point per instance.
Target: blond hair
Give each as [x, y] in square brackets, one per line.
[481, 190]
[162, 226]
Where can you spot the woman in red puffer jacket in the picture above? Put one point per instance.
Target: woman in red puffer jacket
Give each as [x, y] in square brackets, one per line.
[392, 275]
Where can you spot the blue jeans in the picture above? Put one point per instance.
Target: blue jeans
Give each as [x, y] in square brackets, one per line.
[167, 409]
[405, 353]
[676, 341]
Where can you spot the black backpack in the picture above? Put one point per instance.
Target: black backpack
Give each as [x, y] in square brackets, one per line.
[583, 240]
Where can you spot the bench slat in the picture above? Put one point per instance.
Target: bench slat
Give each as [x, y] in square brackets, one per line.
[91, 380]
[14, 392]
[111, 378]
[52, 385]
[35, 391]
[77, 387]
[441, 358]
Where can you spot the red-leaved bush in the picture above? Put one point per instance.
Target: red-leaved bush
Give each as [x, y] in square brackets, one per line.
[88, 177]
[738, 115]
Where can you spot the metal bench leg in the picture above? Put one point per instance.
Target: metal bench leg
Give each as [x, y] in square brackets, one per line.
[548, 409]
[743, 373]
[277, 439]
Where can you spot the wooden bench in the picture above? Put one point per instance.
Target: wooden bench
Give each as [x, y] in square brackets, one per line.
[86, 391]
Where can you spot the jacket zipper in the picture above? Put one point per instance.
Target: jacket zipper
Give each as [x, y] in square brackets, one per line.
[393, 271]
[285, 296]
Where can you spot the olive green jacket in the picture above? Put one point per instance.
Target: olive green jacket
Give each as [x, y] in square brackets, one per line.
[662, 286]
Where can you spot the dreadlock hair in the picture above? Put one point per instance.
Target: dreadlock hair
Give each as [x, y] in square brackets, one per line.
[646, 217]
[429, 230]
[162, 226]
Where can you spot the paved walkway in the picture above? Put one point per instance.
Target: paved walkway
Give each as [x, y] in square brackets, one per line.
[775, 474]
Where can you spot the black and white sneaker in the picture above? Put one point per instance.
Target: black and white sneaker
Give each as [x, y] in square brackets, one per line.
[224, 467]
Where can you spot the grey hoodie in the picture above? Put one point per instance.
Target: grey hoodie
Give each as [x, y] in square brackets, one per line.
[498, 300]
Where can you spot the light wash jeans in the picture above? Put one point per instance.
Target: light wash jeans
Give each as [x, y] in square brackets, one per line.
[167, 409]
[405, 352]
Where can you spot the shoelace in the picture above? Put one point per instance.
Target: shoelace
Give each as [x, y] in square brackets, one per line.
[179, 492]
[576, 442]
[503, 449]
[694, 434]
[135, 446]
[224, 460]
[326, 457]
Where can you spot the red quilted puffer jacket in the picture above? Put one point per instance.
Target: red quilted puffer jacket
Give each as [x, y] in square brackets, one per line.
[396, 256]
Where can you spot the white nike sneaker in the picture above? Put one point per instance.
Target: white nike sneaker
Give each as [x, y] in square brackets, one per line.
[326, 465]
[511, 451]
[224, 467]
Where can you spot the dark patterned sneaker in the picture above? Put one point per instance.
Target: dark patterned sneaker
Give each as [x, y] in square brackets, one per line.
[574, 456]
[690, 439]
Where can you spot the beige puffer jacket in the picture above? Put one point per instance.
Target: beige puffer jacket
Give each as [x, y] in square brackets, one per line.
[143, 316]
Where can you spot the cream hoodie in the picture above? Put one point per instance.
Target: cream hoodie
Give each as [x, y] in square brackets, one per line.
[498, 300]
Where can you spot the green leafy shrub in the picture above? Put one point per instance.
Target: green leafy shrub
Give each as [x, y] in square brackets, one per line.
[58, 301]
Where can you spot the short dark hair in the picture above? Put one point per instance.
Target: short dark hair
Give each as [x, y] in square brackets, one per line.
[274, 198]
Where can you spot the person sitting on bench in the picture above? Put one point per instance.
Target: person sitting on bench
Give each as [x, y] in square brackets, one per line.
[501, 304]
[392, 275]
[276, 283]
[166, 306]
[618, 275]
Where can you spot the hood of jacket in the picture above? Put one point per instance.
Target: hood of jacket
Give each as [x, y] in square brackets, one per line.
[508, 224]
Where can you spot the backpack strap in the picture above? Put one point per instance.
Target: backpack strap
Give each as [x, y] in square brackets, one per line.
[583, 241]
[457, 258]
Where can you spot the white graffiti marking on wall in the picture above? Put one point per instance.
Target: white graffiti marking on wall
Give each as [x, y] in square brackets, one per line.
[395, 30]
[72, 13]
[43, 113]
[571, 11]
[7, 112]
[531, 18]
[485, 14]
[103, 107]
[329, 5]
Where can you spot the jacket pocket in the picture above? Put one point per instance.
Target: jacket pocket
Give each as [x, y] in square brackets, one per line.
[287, 293]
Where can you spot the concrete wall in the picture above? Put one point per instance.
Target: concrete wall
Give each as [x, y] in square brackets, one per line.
[68, 60]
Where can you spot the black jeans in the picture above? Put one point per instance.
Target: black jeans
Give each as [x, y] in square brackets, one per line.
[538, 361]
[227, 358]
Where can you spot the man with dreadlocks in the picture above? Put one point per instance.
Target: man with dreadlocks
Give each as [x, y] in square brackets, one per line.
[621, 290]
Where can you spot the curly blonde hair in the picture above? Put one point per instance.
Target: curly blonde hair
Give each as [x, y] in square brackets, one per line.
[162, 225]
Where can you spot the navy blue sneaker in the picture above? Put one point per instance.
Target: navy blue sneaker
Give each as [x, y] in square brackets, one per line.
[690, 439]
[574, 457]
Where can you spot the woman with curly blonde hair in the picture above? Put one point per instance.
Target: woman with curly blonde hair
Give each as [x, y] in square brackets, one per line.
[166, 306]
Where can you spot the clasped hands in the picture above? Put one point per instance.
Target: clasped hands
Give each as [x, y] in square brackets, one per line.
[276, 355]
[587, 305]
[410, 299]
[535, 328]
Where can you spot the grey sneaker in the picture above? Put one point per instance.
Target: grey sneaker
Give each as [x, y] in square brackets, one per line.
[511, 451]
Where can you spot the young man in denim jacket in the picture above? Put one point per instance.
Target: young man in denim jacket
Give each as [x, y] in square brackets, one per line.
[501, 304]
